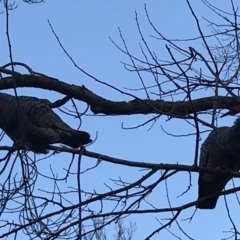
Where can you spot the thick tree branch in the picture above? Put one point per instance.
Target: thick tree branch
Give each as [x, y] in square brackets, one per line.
[99, 104]
[137, 106]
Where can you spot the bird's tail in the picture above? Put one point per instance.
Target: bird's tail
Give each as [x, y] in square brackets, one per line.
[207, 189]
[75, 139]
[84, 137]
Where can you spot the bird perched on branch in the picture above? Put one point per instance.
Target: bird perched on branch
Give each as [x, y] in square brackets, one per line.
[221, 150]
[31, 122]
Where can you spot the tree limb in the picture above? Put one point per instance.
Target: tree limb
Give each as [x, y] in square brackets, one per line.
[98, 104]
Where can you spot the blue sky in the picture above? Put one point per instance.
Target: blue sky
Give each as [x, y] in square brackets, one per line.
[84, 28]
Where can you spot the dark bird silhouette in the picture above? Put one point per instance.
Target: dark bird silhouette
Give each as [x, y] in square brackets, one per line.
[31, 122]
[221, 150]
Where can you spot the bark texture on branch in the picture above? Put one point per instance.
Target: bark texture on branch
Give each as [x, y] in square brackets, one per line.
[101, 105]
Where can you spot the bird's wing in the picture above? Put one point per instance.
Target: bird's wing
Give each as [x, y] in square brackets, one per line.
[213, 154]
[204, 155]
[214, 148]
[41, 114]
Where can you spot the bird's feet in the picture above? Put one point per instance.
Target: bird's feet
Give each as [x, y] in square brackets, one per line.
[82, 148]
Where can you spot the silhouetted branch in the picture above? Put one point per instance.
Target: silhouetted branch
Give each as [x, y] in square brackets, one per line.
[99, 104]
